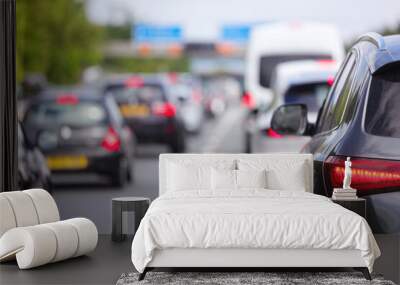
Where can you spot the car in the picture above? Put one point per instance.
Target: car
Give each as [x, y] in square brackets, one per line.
[32, 167]
[149, 110]
[215, 101]
[273, 43]
[359, 119]
[190, 106]
[303, 81]
[80, 131]
[187, 94]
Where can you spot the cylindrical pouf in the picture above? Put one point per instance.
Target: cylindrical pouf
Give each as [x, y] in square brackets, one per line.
[87, 234]
[34, 246]
[7, 218]
[23, 208]
[67, 240]
[46, 207]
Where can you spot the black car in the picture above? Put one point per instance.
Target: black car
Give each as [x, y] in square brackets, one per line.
[32, 167]
[148, 109]
[360, 118]
[79, 131]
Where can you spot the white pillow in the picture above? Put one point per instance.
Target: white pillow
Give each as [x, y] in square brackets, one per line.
[223, 179]
[281, 174]
[184, 177]
[251, 178]
[293, 179]
[193, 174]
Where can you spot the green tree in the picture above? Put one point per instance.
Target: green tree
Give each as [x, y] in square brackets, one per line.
[114, 32]
[54, 37]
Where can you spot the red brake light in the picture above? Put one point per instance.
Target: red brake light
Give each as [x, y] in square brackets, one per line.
[134, 82]
[248, 100]
[167, 110]
[272, 134]
[173, 77]
[330, 80]
[326, 62]
[367, 174]
[67, 99]
[111, 141]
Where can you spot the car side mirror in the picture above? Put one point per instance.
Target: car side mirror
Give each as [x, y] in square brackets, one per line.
[291, 119]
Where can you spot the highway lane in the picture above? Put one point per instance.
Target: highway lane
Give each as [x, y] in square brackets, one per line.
[90, 196]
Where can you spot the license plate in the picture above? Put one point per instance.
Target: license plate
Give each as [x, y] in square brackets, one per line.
[67, 162]
[134, 110]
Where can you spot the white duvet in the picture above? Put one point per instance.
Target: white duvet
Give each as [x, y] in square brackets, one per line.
[250, 219]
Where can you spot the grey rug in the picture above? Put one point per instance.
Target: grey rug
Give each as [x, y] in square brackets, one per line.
[228, 278]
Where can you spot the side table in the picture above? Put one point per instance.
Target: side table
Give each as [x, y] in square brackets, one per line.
[139, 205]
[358, 206]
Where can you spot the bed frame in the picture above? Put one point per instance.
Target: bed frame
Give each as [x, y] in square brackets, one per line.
[240, 259]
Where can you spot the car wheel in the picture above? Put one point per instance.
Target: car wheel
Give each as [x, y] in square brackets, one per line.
[129, 173]
[47, 185]
[247, 142]
[178, 143]
[119, 177]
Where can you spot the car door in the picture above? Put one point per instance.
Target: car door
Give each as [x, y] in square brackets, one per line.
[327, 131]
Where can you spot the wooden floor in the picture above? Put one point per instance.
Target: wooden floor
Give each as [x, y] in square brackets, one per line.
[104, 266]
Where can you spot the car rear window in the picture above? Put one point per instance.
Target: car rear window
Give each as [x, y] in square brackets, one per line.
[268, 64]
[146, 94]
[383, 107]
[82, 114]
[311, 94]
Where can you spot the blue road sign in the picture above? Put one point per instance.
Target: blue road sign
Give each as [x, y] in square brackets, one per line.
[235, 33]
[144, 33]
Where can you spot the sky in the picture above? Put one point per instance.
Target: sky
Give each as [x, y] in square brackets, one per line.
[201, 19]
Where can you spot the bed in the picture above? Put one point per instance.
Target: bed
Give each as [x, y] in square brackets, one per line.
[246, 211]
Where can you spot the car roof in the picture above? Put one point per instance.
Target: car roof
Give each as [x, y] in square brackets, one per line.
[120, 80]
[89, 94]
[294, 37]
[386, 52]
[302, 72]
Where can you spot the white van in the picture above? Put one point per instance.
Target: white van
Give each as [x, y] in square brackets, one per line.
[275, 43]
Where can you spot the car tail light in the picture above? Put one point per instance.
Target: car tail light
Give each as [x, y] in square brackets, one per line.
[67, 99]
[330, 80]
[248, 100]
[272, 134]
[134, 82]
[367, 174]
[167, 110]
[111, 141]
[173, 77]
[326, 62]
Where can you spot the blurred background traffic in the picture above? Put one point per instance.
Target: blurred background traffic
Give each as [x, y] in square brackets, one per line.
[105, 86]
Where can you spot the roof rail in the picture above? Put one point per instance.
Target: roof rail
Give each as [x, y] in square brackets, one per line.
[373, 38]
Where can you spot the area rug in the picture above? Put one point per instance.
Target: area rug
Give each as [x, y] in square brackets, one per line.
[269, 278]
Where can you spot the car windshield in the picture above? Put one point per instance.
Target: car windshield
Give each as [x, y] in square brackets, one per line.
[82, 114]
[146, 94]
[383, 116]
[311, 94]
[268, 64]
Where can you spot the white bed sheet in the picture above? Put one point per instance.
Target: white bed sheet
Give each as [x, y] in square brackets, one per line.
[253, 218]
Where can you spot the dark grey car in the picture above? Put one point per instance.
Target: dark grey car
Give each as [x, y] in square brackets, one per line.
[81, 132]
[360, 118]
